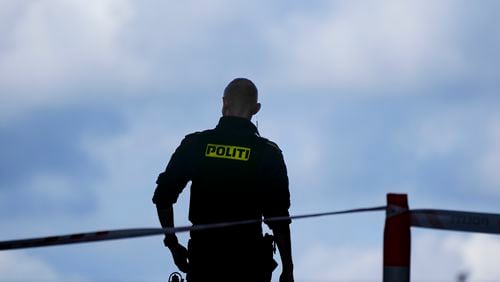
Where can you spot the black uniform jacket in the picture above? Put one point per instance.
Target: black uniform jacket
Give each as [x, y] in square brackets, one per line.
[235, 175]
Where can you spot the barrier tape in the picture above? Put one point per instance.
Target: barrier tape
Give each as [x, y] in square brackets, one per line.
[426, 218]
[143, 232]
[456, 220]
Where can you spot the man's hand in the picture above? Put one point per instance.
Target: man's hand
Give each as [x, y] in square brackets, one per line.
[180, 255]
[286, 275]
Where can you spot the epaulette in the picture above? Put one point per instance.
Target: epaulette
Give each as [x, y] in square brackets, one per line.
[198, 134]
[193, 134]
[271, 143]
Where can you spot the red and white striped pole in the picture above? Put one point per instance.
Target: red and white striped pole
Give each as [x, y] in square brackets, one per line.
[397, 241]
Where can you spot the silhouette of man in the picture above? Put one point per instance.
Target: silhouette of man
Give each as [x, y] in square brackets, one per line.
[235, 175]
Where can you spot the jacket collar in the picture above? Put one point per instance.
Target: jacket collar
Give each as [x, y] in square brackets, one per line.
[231, 123]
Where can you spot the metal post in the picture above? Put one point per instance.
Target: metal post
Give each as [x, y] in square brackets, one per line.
[397, 241]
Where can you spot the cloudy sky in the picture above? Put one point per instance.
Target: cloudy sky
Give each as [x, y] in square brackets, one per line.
[363, 97]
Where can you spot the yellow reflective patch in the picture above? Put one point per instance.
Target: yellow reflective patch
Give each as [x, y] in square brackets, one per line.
[227, 152]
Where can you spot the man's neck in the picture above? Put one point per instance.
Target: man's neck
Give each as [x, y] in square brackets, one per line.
[238, 116]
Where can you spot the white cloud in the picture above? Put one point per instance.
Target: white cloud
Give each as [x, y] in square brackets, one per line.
[361, 45]
[347, 263]
[57, 40]
[131, 161]
[52, 44]
[58, 52]
[467, 131]
[481, 254]
[310, 152]
[439, 134]
[302, 148]
[17, 266]
[442, 256]
[436, 256]
[82, 44]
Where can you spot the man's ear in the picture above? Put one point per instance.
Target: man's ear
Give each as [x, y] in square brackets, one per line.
[256, 108]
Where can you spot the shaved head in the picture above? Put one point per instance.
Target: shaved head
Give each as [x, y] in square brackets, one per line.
[240, 98]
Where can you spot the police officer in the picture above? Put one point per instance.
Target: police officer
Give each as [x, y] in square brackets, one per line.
[235, 175]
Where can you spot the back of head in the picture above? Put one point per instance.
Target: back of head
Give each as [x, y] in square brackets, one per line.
[240, 98]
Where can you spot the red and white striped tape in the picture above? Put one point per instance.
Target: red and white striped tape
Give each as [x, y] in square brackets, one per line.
[456, 220]
[142, 232]
[427, 218]
[79, 238]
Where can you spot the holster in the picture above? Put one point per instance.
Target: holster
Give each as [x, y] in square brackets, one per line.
[268, 251]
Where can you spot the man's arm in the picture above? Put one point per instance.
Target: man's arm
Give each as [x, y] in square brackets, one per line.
[166, 216]
[276, 204]
[284, 242]
[179, 252]
[170, 184]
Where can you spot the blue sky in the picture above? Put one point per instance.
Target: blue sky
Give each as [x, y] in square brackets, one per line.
[363, 97]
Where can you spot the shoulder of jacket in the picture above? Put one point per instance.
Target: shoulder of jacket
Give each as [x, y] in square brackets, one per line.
[192, 135]
[198, 133]
[270, 144]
